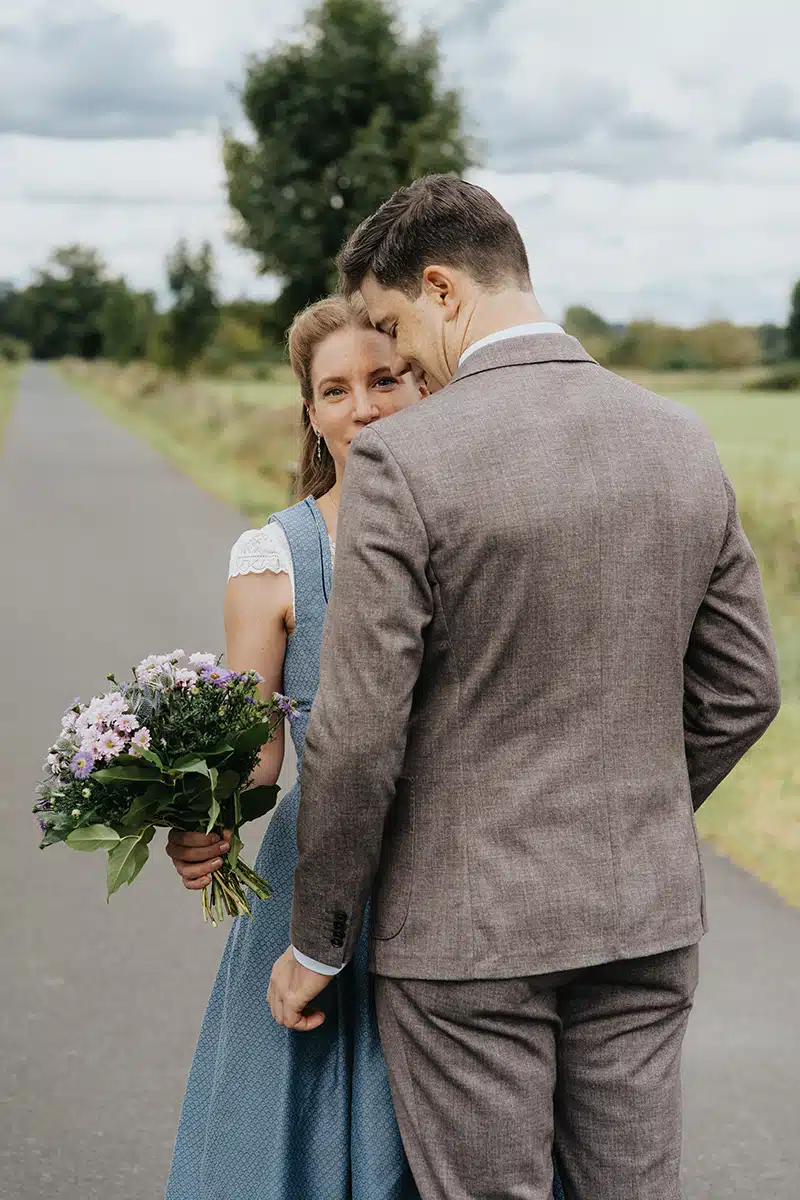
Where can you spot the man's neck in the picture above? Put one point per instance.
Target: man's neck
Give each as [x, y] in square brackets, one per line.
[499, 311]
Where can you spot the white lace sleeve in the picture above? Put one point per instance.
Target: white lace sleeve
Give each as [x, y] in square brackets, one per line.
[261, 550]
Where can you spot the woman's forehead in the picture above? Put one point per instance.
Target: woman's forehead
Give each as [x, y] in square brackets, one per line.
[351, 350]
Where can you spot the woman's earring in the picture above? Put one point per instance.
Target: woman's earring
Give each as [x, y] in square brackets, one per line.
[319, 446]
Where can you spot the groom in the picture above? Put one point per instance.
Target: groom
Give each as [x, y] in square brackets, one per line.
[547, 644]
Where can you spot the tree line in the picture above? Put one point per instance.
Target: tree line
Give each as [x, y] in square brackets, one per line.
[338, 119]
[651, 345]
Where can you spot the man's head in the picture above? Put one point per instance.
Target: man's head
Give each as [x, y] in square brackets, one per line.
[424, 263]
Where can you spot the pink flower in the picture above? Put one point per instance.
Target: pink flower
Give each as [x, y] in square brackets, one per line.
[186, 679]
[140, 740]
[125, 723]
[109, 745]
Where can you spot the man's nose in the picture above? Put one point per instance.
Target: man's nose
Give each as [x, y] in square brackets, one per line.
[401, 363]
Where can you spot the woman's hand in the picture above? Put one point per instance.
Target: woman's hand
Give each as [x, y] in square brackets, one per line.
[197, 855]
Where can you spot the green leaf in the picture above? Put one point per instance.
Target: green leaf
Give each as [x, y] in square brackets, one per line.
[151, 757]
[214, 811]
[232, 857]
[258, 801]
[128, 774]
[93, 837]
[126, 860]
[253, 738]
[227, 784]
[190, 764]
[148, 806]
[220, 748]
[52, 836]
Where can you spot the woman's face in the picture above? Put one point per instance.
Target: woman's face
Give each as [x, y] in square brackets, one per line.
[354, 382]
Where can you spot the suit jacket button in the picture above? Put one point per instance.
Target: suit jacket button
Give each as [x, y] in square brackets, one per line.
[337, 941]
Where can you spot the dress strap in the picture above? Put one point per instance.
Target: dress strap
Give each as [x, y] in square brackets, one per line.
[307, 535]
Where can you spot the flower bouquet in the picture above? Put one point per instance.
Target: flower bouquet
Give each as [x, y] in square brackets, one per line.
[175, 747]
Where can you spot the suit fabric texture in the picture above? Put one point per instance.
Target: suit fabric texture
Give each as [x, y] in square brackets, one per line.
[547, 643]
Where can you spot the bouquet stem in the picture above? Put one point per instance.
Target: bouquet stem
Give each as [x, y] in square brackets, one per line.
[225, 893]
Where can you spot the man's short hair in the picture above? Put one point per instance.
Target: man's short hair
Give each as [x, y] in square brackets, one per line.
[439, 219]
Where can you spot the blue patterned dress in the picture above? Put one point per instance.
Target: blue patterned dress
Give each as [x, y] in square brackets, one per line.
[270, 1114]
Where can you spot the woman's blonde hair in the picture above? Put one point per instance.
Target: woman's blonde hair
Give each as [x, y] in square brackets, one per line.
[316, 470]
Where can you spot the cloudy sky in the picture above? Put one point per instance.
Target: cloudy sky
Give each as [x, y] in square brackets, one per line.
[650, 152]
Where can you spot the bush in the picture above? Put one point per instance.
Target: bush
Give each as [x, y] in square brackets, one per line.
[13, 350]
[782, 378]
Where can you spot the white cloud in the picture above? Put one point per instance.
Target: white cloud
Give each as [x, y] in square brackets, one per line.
[132, 200]
[651, 154]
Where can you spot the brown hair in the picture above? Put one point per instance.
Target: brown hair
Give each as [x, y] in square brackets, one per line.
[436, 219]
[316, 472]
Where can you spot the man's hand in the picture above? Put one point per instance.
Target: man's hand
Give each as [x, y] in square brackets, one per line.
[291, 989]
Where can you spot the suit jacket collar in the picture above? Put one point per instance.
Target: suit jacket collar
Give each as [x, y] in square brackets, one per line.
[523, 351]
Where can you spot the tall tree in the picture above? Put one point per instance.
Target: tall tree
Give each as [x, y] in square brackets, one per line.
[340, 118]
[64, 304]
[793, 327]
[125, 322]
[193, 318]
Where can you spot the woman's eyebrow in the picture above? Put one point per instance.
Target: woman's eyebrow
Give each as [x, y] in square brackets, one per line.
[331, 379]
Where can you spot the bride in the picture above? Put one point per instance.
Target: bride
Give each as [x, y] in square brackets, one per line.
[269, 1116]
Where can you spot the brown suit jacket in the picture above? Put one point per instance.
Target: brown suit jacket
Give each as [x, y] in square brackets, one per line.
[547, 644]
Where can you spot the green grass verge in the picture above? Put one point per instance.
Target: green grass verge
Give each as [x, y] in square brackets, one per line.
[237, 439]
[754, 816]
[9, 382]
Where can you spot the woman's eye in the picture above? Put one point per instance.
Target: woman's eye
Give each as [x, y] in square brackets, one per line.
[333, 393]
[386, 381]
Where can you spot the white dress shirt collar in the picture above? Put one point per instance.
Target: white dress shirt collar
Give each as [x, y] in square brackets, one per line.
[513, 331]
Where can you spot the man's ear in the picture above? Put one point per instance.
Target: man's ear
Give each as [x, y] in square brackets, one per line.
[443, 287]
[438, 283]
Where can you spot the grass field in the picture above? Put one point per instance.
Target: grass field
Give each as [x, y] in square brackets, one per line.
[9, 379]
[238, 440]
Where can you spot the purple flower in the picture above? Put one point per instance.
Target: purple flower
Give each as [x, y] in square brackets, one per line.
[286, 706]
[82, 764]
[216, 676]
[42, 805]
[43, 825]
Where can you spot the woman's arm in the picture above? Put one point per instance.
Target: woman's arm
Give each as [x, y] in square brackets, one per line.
[258, 609]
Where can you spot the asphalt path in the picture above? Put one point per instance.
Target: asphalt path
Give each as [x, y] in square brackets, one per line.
[109, 554]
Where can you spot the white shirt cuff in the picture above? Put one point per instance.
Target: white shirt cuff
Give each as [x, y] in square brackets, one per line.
[313, 965]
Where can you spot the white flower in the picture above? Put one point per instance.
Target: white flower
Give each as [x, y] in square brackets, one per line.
[186, 679]
[176, 654]
[152, 660]
[149, 673]
[76, 812]
[69, 721]
[203, 660]
[107, 708]
[83, 725]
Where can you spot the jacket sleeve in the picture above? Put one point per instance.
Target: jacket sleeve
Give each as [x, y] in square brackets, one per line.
[371, 656]
[731, 685]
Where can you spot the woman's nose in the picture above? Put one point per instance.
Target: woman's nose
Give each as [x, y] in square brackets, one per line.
[364, 407]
